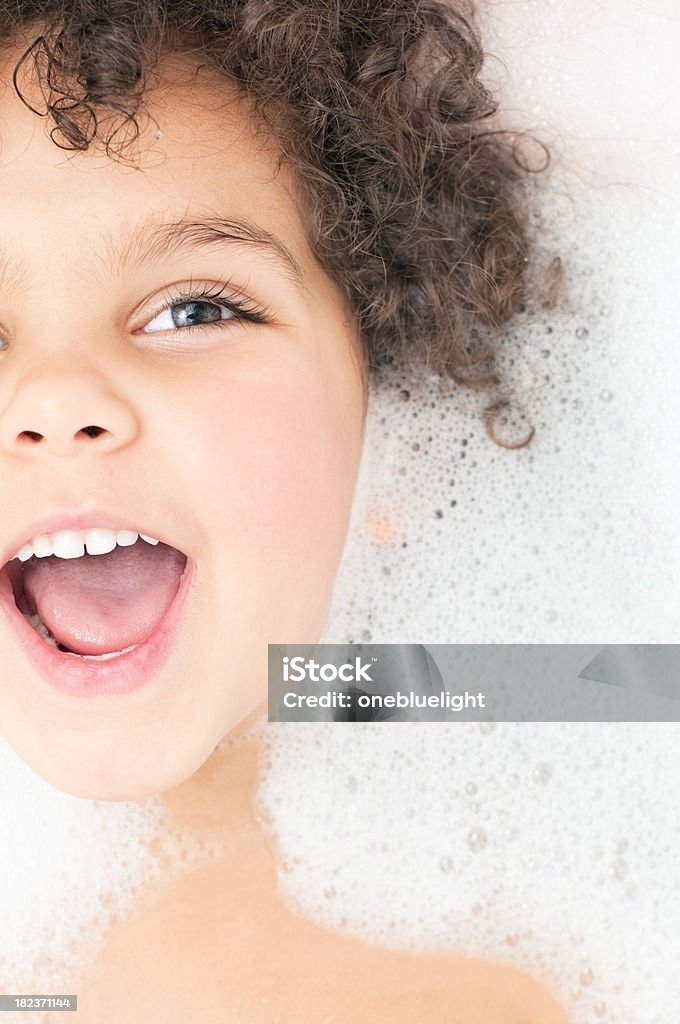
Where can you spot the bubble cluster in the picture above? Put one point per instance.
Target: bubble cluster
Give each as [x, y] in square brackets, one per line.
[73, 868]
[539, 885]
[57, 906]
[561, 860]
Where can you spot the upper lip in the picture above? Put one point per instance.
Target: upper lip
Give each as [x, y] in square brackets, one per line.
[89, 519]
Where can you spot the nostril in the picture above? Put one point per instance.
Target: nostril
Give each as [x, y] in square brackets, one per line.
[33, 435]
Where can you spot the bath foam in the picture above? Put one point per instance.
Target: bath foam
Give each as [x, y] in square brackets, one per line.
[58, 906]
[549, 846]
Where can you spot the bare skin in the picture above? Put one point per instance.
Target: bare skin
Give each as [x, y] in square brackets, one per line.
[219, 944]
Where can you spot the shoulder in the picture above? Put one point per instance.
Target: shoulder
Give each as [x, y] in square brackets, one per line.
[410, 988]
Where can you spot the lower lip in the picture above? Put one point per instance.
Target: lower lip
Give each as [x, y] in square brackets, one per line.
[79, 677]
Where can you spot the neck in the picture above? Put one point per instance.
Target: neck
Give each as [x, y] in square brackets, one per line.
[217, 803]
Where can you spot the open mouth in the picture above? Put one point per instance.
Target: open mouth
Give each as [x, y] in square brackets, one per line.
[96, 594]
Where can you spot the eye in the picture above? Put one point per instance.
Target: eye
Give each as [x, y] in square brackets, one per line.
[200, 308]
[194, 313]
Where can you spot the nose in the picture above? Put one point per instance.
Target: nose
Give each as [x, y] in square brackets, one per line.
[65, 414]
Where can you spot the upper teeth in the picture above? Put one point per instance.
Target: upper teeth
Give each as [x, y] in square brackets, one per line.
[74, 543]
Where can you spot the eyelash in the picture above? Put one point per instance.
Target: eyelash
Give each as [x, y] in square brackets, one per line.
[219, 296]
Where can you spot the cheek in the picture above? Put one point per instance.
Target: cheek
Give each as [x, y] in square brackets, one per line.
[275, 465]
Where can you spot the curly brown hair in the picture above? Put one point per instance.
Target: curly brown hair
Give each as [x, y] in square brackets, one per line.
[412, 196]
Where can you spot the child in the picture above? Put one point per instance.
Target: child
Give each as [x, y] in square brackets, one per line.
[217, 220]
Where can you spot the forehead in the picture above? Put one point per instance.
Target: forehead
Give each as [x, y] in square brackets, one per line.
[199, 148]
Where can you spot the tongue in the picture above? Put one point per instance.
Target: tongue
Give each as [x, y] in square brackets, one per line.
[98, 604]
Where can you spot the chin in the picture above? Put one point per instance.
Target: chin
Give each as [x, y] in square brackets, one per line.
[116, 769]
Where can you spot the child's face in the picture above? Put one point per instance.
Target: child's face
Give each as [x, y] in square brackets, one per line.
[236, 443]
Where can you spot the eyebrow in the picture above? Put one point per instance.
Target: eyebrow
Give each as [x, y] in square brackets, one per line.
[155, 240]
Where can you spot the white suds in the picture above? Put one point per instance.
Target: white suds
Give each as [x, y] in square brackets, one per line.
[550, 846]
[69, 865]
